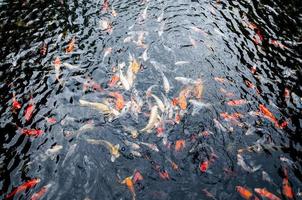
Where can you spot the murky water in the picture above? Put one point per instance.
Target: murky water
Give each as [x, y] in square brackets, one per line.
[226, 112]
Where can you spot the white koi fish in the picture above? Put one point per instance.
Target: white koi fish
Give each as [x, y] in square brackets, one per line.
[243, 164]
[152, 119]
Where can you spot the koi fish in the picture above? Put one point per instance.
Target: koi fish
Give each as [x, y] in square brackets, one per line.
[57, 63]
[151, 146]
[181, 62]
[165, 83]
[119, 102]
[99, 106]
[287, 189]
[159, 102]
[264, 193]
[16, 104]
[198, 105]
[105, 25]
[113, 149]
[208, 194]
[220, 79]
[163, 174]
[137, 176]
[152, 119]
[182, 98]
[29, 110]
[253, 69]
[145, 55]
[243, 164]
[43, 49]
[53, 150]
[144, 14]
[129, 183]
[70, 45]
[184, 80]
[237, 102]
[233, 116]
[38, 195]
[219, 125]
[132, 145]
[27, 185]
[180, 144]
[160, 17]
[114, 79]
[203, 166]
[267, 114]
[135, 66]
[70, 66]
[32, 132]
[113, 12]
[105, 6]
[107, 51]
[245, 193]
[267, 178]
[276, 43]
[174, 165]
[198, 89]
[123, 80]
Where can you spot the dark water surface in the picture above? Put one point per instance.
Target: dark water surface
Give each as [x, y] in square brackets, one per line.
[248, 50]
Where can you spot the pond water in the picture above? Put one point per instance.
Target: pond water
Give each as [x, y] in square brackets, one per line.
[150, 99]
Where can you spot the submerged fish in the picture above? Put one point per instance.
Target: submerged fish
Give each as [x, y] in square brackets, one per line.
[266, 194]
[105, 109]
[25, 186]
[245, 193]
[198, 105]
[129, 183]
[152, 119]
[245, 166]
[113, 149]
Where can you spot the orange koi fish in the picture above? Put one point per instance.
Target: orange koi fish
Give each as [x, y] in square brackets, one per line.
[174, 101]
[203, 166]
[287, 189]
[180, 144]
[198, 89]
[38, 195]
[265, 111]
[16, 104]
[237, 102]
[70, 45]
[29, 110]
[264, 193]
[27, 185]
[137, 177]
[119, 100]
[233, 116]
[32, 132]
[245, 193]
[114, 79]
[129, 183]
[182, 98]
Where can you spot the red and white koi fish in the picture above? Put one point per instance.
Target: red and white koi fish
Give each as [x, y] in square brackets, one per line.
[29, 110]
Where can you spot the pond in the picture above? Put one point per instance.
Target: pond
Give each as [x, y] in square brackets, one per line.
[150, 99]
